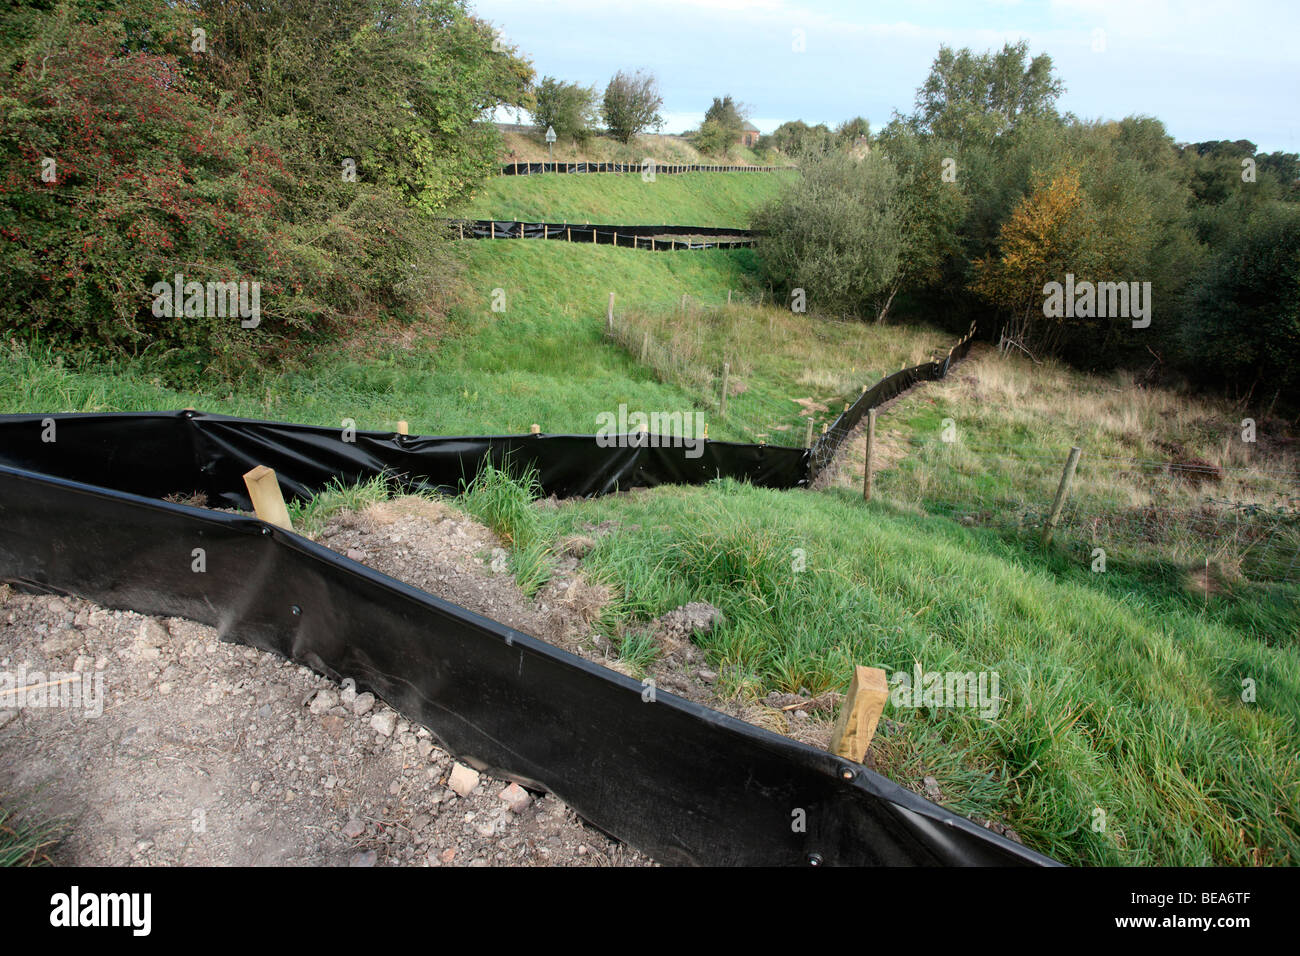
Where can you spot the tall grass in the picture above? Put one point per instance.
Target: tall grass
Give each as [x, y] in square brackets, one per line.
[1125, 699]
[502, 498]
[785, 369]
[23, 843]
[1012, 423]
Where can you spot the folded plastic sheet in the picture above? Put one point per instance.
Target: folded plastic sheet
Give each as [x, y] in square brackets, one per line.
[676, 780]
[162, 453]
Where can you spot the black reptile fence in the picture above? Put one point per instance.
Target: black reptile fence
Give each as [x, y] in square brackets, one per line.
[828, 443]
[81, 513]
[669, 169]
[654, 238]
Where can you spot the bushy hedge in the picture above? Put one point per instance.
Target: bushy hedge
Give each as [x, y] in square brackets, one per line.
[263, 144]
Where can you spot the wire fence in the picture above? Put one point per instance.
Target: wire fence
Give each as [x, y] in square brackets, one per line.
[1227, 521]
[717, 383]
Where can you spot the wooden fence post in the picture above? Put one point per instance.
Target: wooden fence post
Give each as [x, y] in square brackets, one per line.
[722, 404]
[807, 442]
[403, 428]
[871, 440]
[860, 713]
[1062, 490]
[268, 502]
[609, 314]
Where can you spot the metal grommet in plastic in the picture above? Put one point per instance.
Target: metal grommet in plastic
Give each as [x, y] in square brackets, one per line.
[814, 859]
[295, 610]
[266, 529]
[848, 773]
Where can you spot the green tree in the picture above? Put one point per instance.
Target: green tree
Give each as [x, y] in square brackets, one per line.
[850, 131]
[568, 108]
[631, 105]
[976, 97]
[837, 233]
[795, 138]
[1243, 326]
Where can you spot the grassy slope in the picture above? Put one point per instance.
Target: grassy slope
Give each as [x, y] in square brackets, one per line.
[543, 360]
[687, 199]
[1014, 423]
[1121, 692]
[1117, 694]
[521, 147]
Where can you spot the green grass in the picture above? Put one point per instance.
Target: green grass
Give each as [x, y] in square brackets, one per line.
[1012, 425]
[1125, 698]
[23, 843]
[783, 369]
[501, 498]
[686, 199]
[545, 359]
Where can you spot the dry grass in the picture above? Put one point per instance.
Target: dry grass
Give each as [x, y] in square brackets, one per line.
[1161, 470]
[785, 368]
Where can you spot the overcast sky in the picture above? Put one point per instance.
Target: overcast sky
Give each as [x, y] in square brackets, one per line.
[1211, 69]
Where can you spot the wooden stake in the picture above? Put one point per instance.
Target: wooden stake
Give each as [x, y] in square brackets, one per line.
[403, 428]
[609, 314]
[728, 297]
[871, 440]
[534, 429]
[722, 404]
[494, 228]
[807, 442]
[645, 346]
[860, 713]
[1062, 490]
[268, 502]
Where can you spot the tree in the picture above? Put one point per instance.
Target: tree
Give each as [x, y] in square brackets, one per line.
[850, 131]
[931, 211]
[970, 96]
[836, 233]
[724, 121]
[568, 108]
[795, 137]
[728, 114]
[631, 105]
[1244, 322]
[1040, 243]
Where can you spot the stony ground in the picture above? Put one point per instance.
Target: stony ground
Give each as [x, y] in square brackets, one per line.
[212, 753]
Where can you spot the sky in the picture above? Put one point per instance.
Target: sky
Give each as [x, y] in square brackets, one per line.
[1210, 69]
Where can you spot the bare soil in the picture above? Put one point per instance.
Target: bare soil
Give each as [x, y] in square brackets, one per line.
[208, 753]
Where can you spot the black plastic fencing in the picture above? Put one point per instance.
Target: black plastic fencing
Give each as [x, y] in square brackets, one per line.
[826, 445]
[668, 169]
[80, 514]
[654, 238]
